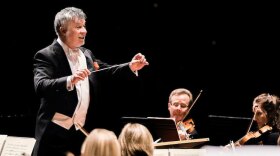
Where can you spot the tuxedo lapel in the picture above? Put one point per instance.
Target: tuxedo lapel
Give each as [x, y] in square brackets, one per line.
[65, 69]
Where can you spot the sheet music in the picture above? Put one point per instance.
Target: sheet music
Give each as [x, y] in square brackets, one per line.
[2, 141]
[18, 146]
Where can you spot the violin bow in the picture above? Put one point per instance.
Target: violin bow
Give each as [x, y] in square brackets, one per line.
[193, 104]
[251, 123]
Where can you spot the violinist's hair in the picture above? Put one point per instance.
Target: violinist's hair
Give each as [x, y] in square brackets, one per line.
[270, 103]
[101, 142]
[136, 140]
[180, 91]
[278, 116]
[278, 141]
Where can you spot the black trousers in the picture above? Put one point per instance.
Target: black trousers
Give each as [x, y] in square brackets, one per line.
[57, 141]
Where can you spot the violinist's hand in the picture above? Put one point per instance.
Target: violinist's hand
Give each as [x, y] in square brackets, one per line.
[183, 135]
[227, 147]
[138, 62]
[237, 144]
[232, 145]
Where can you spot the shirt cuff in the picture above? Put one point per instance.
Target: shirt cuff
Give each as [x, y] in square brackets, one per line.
[69, 85]
[136, 72]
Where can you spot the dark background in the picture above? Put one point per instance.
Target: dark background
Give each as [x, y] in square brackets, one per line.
[227, 49]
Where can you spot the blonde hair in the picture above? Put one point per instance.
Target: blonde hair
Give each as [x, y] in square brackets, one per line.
[180, 91]
[101, 142]
[136, 140]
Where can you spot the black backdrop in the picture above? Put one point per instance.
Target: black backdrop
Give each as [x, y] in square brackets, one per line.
[226, 49]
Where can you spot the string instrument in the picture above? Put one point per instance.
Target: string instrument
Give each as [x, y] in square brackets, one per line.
[188, 125]
[252, 135]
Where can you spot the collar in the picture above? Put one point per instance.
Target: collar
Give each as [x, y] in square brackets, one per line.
[67, 50]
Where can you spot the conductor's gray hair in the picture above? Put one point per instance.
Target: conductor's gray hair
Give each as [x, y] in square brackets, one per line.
[65, 15]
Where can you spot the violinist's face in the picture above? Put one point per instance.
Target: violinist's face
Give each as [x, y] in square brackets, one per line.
[260, 116]
[179, 106]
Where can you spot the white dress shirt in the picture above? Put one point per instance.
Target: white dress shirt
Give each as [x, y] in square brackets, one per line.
[76, 61]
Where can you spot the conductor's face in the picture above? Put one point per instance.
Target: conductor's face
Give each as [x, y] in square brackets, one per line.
[74, 33]
[178, 106]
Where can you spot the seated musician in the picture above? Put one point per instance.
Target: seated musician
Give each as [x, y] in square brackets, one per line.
[265, 110]
[265, 118]
[180, 101]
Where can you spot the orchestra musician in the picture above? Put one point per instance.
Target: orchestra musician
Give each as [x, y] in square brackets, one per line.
[265, 116]
[179, 104]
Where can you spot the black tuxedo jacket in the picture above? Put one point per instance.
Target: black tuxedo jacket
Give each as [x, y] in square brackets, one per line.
[51, 69]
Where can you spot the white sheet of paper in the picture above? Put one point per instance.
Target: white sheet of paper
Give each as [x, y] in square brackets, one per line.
[18, 146]
[2, 141]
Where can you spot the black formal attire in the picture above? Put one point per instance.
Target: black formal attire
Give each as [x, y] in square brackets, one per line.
[51, 69]
[269, 137]
[194, 134]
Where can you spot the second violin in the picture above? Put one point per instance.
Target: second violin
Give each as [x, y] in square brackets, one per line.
[253, 135]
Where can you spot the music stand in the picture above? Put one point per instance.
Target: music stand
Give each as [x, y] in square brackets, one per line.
[165, 130]
[160, 128]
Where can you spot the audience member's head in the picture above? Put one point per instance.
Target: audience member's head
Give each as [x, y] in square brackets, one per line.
[136, 140]
[101, 142]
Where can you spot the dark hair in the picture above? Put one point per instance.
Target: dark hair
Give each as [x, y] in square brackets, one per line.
[270, 103]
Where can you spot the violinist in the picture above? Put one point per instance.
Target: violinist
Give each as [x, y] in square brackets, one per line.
[180, 101]
[265, 116]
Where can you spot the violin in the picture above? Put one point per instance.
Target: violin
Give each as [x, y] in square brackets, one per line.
[187, 126]
[248, 136]
[182, 131]
[251, 135]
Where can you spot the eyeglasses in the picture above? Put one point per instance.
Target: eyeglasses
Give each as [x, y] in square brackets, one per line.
[183, 105]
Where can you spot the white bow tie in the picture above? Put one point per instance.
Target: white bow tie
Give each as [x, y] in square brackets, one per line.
[73, 54]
